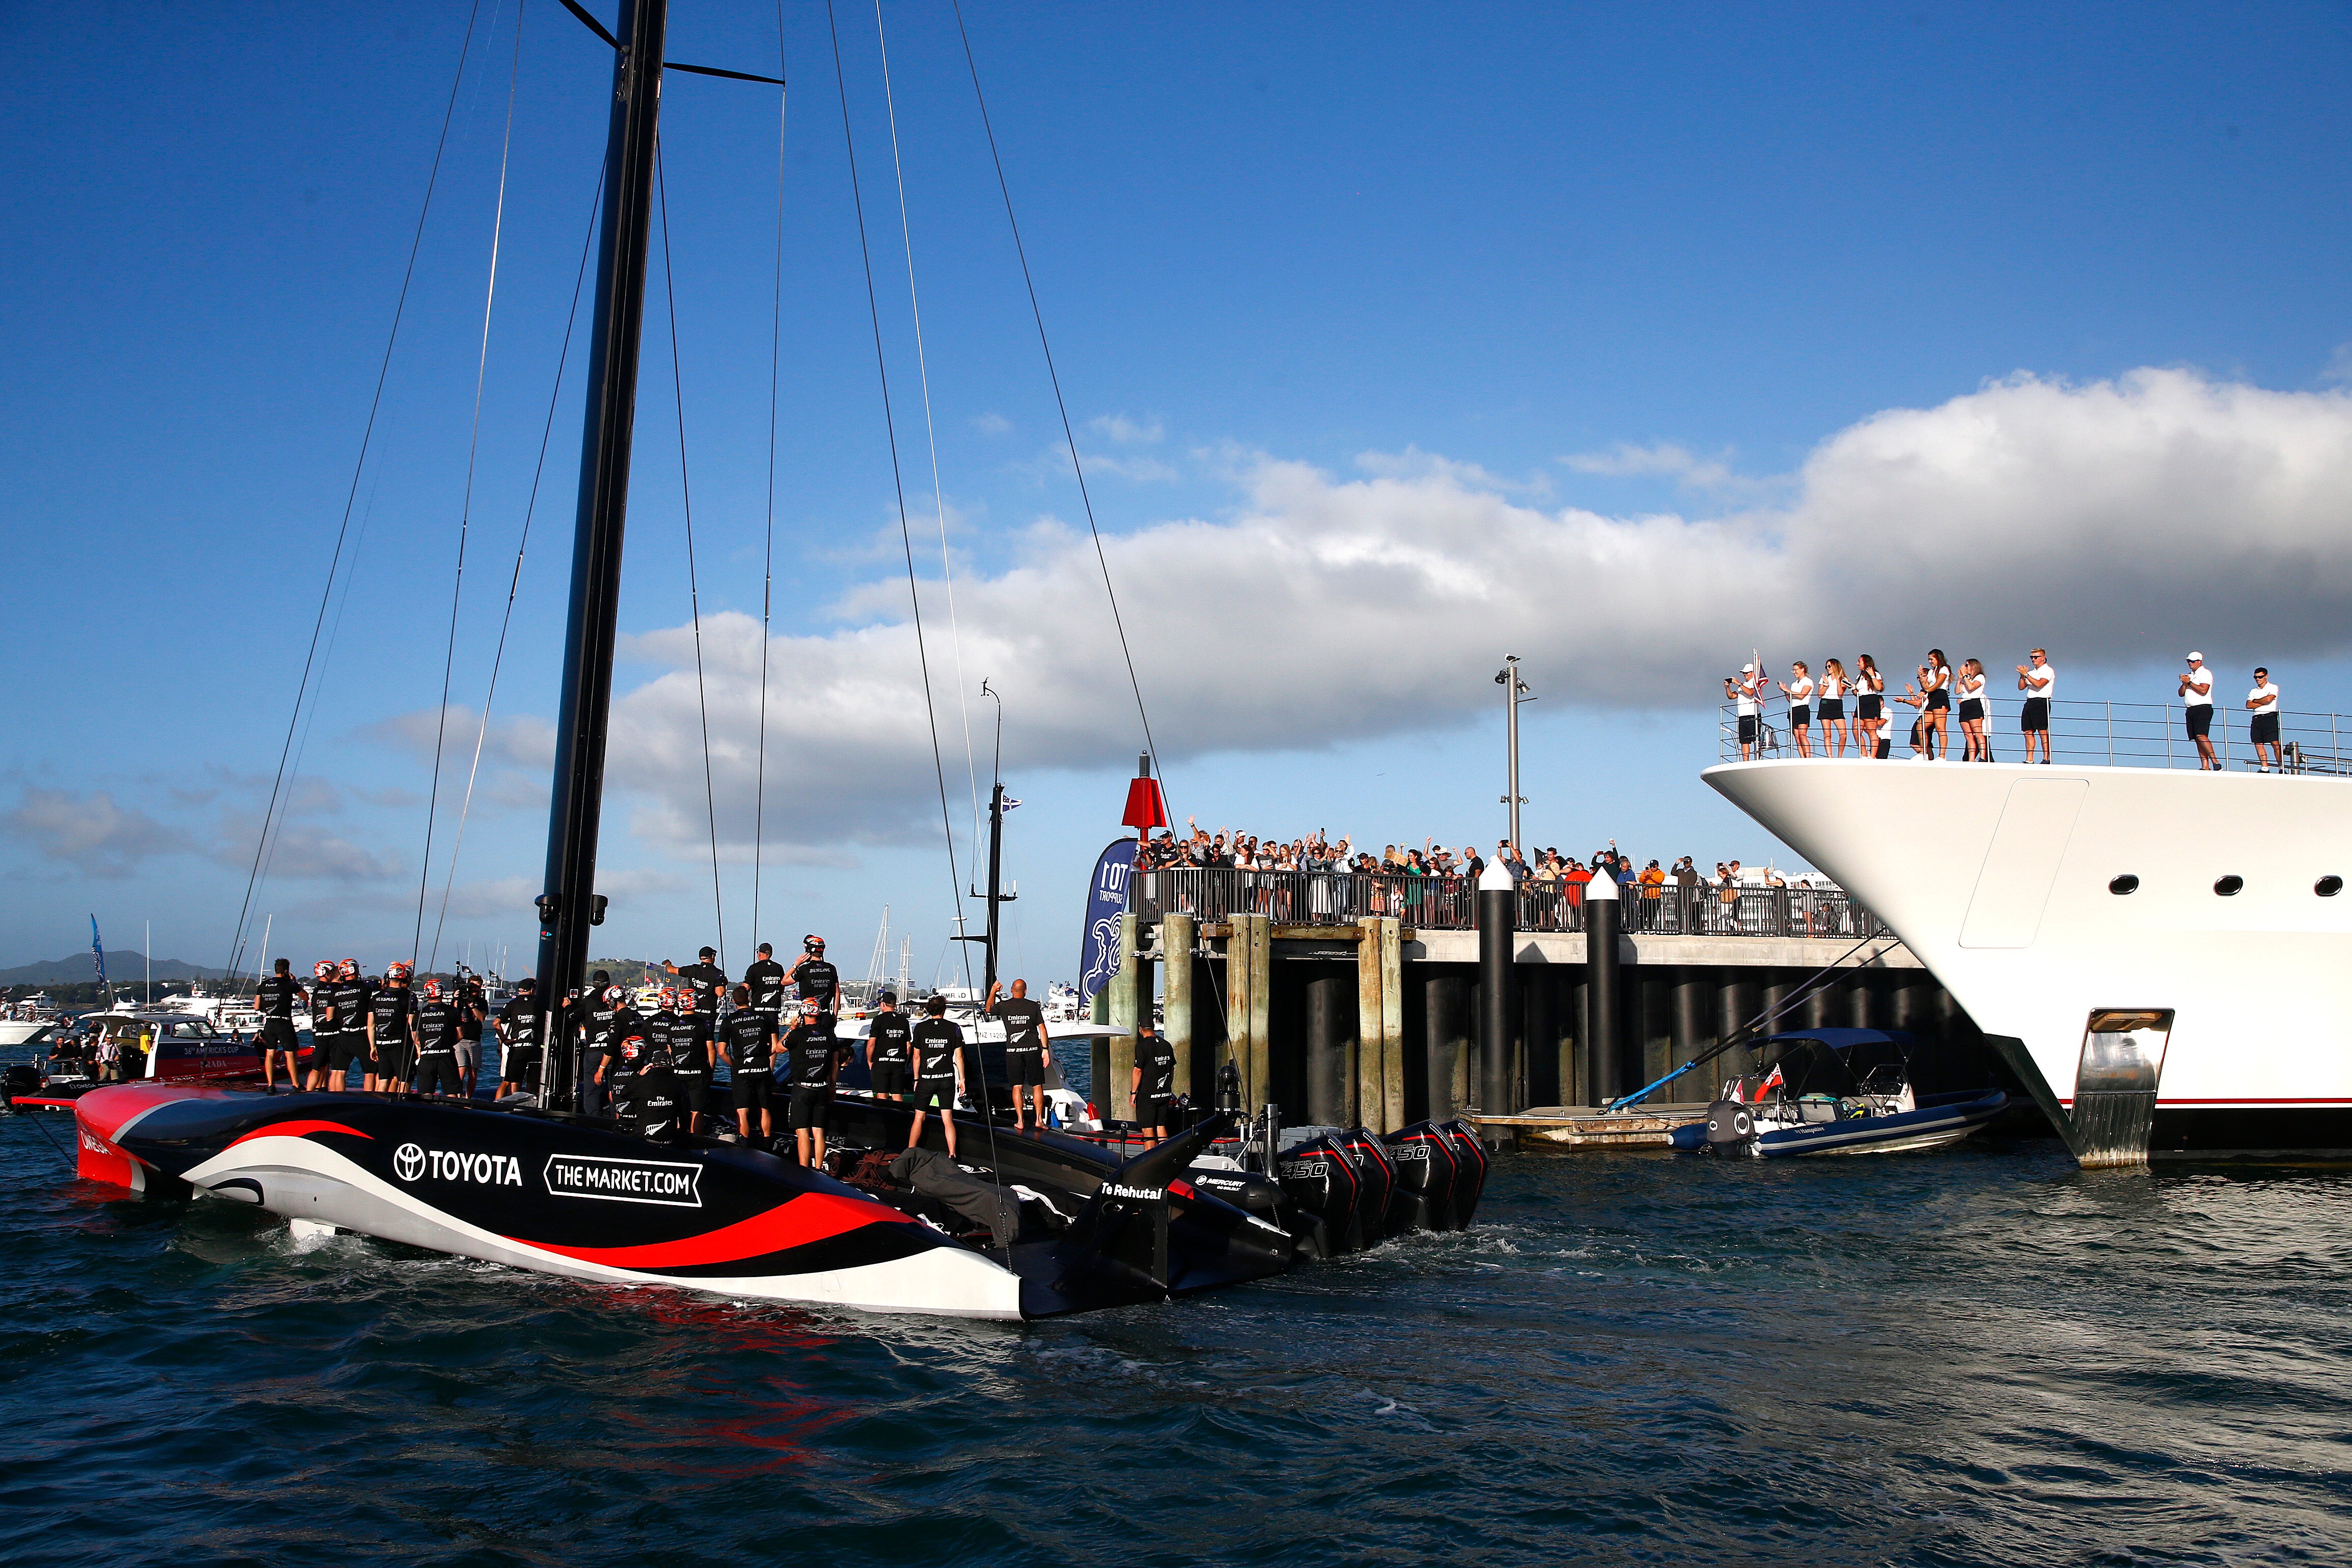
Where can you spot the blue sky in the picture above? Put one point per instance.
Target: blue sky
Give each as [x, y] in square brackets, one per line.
[1607, 316]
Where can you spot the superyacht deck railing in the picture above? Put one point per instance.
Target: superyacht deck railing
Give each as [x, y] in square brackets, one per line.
[2082, 735]
[1450, 903]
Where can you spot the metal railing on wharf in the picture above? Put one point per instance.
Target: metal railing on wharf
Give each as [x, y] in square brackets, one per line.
[2082, 735]
[1450, 903]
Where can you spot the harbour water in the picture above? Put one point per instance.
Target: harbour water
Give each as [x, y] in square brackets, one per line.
[1983, 1356]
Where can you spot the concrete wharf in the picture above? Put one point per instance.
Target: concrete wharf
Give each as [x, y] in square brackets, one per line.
[1371, 1021]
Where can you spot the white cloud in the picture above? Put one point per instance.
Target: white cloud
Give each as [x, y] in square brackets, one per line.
[91, 832]
[2107, 521]
[992, 424]
[1662, 457]
[300, 851]
[1125, 431]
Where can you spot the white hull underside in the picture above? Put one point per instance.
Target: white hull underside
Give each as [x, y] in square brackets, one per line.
[1997, 878]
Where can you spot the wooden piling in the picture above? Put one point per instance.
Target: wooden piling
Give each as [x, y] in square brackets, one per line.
[1392, 1075]
[1129, 1000]
[1176, 948]
[1371, 1052]
[1261, 963]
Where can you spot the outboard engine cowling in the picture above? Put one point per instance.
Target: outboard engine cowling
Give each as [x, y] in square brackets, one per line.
[1425, 1169]
[1379, 1178]
[1319, 1178]
[1470, 1178]
[18, 1078]
[1731, 1126]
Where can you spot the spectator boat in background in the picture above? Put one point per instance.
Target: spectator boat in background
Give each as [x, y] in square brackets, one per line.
[2158, 955]
[1835, 1091]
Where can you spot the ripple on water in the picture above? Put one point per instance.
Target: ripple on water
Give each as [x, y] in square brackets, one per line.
[1985, 1356]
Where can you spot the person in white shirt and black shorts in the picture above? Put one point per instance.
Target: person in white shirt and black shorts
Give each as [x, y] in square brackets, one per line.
[1977, 746]
[2262, 727]
[1870, 707]
[1742, 692]
[2196, 711]
[1832, 694]
[2040, 684]
[1936, 705]
[1800, 707]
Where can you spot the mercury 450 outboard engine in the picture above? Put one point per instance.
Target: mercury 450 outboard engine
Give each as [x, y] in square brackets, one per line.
[1379, 1178]
[1470, 1175]
[1321, 1179]
[1730, 1128]
[1425, 1170]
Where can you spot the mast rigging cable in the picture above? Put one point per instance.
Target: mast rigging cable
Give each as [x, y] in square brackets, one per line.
[768, 552]
[1053, 375]
[350, 498]
[466, 507]
[693, 587]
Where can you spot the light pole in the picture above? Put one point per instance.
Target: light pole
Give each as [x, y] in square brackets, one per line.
[1514, 691]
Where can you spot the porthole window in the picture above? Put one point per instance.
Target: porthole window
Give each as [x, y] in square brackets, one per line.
[2329, 887]
[2228, 887]
[2124, 884]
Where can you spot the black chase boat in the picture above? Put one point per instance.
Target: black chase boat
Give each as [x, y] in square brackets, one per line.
[576, 1196]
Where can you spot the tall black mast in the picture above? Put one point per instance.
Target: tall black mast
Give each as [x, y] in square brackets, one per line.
[567, 908]
[995, 881]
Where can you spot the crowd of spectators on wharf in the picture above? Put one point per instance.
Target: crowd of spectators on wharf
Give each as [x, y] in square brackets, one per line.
[1319, 880]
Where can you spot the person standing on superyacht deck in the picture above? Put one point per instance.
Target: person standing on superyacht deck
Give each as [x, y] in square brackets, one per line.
[1743, 694]
[2263, 703]
[2040, 684]
[2196, 695]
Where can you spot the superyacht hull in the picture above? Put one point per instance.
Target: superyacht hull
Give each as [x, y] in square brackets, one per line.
[2160, 955]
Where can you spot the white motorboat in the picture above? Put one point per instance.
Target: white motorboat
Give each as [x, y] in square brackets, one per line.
[1837, 1091]
[2158, 955]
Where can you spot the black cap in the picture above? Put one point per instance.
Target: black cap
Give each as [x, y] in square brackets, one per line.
[526, 983]
[767, 947]
[890, 996]
[1145, 1025]
[710, 952]
[604, 978]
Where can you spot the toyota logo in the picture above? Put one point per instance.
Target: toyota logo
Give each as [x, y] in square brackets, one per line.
[408, 1161]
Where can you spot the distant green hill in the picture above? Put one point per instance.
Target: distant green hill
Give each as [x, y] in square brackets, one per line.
[120, 967]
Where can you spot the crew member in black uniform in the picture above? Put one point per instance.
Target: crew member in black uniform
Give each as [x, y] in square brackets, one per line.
[1155, 1080]
[611, 1024]
[890, 1049]
[765, 980]
[815, 980]
[939, 1071]
[390, 1012]
[706, 982]
[1025, 1043]
[522, 1054]
[749, 1033]
[275, 997]
[473, 1010]
[435, 1033]
[815, 1052]
[650, 1106]
[691, 1057]
[352, 999]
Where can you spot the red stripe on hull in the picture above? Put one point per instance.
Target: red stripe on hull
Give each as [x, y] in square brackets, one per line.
[812, 1216]
[299, 1129]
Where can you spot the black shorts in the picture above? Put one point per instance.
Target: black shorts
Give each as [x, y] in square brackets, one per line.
[696, 1093]
[935, 1091]
[1871, 707]
[755, 1089]
[892, 1078]
[1748, 729]
[345, 1051]
[1918, 733]
[1972, 709]
[1151, 1109]
[812, 1107]
[438, 1074]
[1832, 709]
[2201, 719]
[277, 1034]
[2262, 729]
[2035, 718]
[520, 1065]
[1940, 698]
[1800, 717]
[391, 1060]
[1025, 1069]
